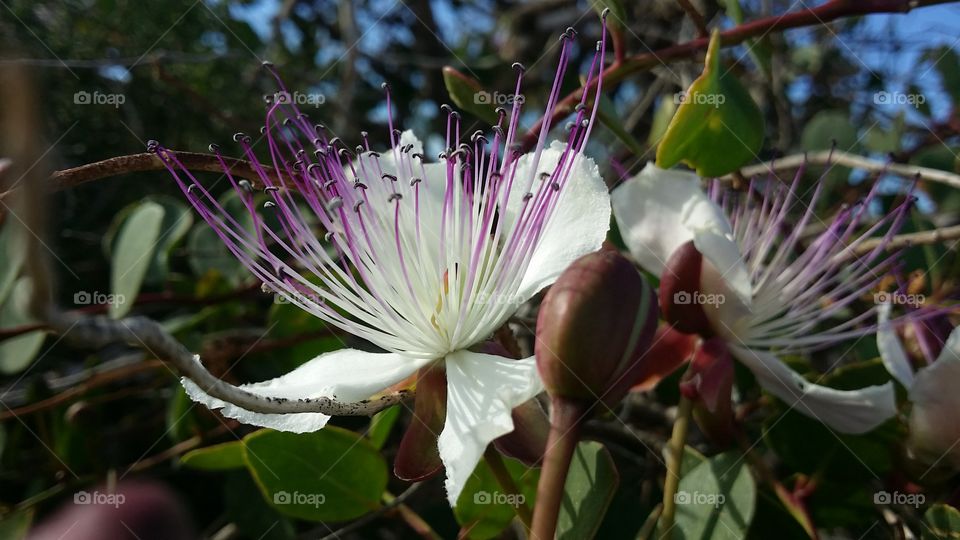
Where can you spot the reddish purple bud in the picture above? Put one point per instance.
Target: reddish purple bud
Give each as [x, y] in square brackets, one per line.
[594, 325]
[418, 457]
[680, 292]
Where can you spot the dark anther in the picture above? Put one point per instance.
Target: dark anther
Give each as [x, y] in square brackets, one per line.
[334, 204]
[544, 175]
[394, 197]
[334, 141]
[527, 196]
[364, 134]
[270, 189]
[191, 188]
[320, 152]
[152, 146]
[502, 111]
[269, 204]
[519, 67]
[580, 107]
[245, 185]
[554, 186]
[385, 86]
[263, 129]
[417, 155]
[498, 130]
[311, 166]
[329, 236]
[237, 137]
[390, 176]
[415, 181]
[266, 64]
[373, 154]
[344, 153]
[357, 205]
[359, 185]
[329, 183]
[446, 108]
[359, 149]
[319, 127]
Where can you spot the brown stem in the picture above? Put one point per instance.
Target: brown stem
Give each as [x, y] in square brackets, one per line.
[830, 11]
[146, 161]
[696, 17]
[566, 419]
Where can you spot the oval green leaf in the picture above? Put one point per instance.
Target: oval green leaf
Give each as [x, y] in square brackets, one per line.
[718, 127]
[330, 475]
[590, 486]
[132, 255]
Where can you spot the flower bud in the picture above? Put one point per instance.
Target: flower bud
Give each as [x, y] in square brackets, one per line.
[594, 325]
[680, 292]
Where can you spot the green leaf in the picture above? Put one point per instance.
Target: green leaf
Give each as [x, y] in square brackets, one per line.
[381, 425]
[14, 526]
[828, 126]
[941, 522]
[880, 139]
[207, 252]
[484, 510]
[177, 219]
[13, 251]
[618, 14]
[716, 500]
[718, 127]
[470, 96]
[329, 475]
[180, 422]
[219, 457]
[591, 483]
[947, 62]
[256, 519]
[662, 115]
[18, 352]
[135, 245]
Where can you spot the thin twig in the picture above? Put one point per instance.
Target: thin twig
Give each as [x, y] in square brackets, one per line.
[148, 334]
[696, 17]
[846, 159]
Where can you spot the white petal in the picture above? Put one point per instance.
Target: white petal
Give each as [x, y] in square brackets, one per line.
[847, 411]
[891, 350]
[579, 223]
[481, 391]
[934, 424]
[659, 210]
[348, 375]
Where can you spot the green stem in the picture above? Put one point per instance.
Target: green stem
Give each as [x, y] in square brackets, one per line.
[565, 425]
[499, 468]
[674, 460]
